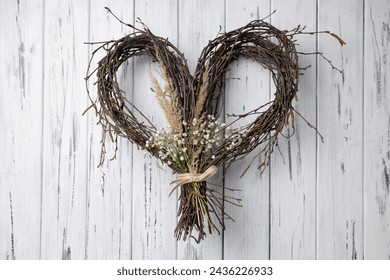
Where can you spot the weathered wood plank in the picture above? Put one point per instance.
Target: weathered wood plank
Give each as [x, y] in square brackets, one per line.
[199, 21]
[376, 130]
[247, 87]
[21, 67]
[293, 170]
[64, 137]
[109, 187]
[125, 158]
[154, 212]
[340, 161]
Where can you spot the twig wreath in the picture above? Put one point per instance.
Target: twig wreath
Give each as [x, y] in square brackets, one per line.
[197, 142]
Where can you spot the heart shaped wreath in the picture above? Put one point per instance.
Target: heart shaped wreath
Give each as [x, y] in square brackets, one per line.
[197, 142]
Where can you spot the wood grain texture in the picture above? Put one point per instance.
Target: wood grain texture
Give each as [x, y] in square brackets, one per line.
[109, 187]
[376, 130]
[196, 27]
[21, 93]
[154, 212]
[64, 137]
[340, 160]
[293, 170]
[247, 87]
[318, 200]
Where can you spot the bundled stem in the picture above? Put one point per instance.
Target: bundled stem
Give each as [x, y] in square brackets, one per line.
[194, 211]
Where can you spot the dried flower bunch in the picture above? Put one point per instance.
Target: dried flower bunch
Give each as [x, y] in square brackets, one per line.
[196, 142]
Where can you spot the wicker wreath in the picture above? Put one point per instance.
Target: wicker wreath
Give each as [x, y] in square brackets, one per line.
[197, 142]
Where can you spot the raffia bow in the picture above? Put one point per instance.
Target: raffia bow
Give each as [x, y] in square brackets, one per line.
[187, 178]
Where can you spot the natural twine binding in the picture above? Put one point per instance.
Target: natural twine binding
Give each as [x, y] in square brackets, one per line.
[187, 178]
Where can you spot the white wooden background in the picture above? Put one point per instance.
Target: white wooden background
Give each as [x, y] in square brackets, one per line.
[317, 200]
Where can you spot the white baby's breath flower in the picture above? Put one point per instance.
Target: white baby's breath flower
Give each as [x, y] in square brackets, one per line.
[172, 147]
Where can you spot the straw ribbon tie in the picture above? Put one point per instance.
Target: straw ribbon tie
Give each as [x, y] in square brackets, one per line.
[186, 178]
